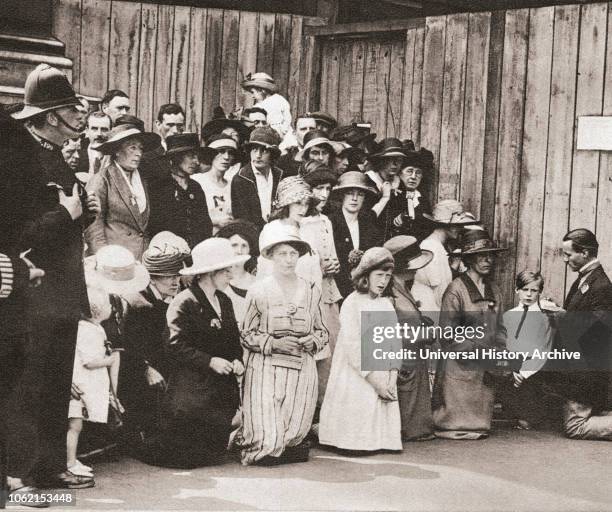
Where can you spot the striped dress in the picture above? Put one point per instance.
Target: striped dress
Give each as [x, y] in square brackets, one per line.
[280, 391]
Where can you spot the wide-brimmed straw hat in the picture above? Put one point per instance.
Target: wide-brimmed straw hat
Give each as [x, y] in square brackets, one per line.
[115, 269]
[407, 253]
[450, 212]
[181, 143]
[264, 137]
[213, 254]
[477, 242]
[371, 259]
[166, 254]
[316, 173]
[46, 88]
[125, 132]
[353, 179]
[281, 232]
[291, 190]
[261, 80]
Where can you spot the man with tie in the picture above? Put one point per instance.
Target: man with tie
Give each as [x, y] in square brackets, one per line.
[587, 327]
[96, 132]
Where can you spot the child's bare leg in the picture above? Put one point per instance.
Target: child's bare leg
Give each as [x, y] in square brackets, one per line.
[75, 425]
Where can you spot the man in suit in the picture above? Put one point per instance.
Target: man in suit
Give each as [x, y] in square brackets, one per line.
[115, 103]
[354, 227]
[155, 165]
[587, 329]
[254, 187]
[96, 132]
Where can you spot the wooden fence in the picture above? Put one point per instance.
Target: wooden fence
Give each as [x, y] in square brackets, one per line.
[194, 56]
[496, 97]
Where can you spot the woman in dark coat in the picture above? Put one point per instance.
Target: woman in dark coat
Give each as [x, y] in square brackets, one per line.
[204, 345]
[145, 364]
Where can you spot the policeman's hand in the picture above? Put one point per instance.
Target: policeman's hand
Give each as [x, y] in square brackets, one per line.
[154, 378]
[72, 203]
[93, 204]
[221, 366]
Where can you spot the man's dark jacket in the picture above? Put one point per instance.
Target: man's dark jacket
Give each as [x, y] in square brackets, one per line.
[245, 200]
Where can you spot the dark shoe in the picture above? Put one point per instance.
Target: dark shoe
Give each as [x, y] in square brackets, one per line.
[68, 480]
[27, 496]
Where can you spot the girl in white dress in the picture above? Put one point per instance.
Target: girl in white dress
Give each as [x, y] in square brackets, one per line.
[93, 365]
[360, 411]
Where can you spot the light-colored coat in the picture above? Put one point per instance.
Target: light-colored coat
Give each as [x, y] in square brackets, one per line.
[120, 222]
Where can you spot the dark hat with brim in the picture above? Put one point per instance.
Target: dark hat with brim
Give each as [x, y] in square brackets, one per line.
[182, 142]
[478, 242]
[264, 137]
[244, 229]
[215, 144]
[352, 135]
[317, 173]
[353, 180]
[46, 89]
[323, 117]
[422, 159]
[123, 133]
[389, 147]
[407, 253]
[217, 126]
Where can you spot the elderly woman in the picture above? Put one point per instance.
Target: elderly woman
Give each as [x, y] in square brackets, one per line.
[178, 203]
[413, 389]
[221, 152]
[123, 195]
[463, 390]
[204, 346]
[360, 411]
[411, 221]
[146, 365]
[243, 237]
[282, 332]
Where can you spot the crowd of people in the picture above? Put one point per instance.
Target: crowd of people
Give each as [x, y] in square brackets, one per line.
[201, 294]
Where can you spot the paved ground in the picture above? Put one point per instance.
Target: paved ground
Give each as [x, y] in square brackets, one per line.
[511, 471]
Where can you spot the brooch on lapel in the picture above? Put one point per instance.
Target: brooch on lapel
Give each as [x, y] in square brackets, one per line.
[215, 323]
[584, 288]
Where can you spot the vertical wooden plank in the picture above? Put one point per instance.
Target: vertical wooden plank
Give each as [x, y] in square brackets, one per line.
[510, 145]
[163, 58]
[198, 52]
[345, 54]
[214, 50]
[453, 98]
[604, 199]
[282, 52]
[560, 139]
[265, 50]
[124, 49]
[356, 81]
[310, 74]
[589, 102]
[180, 55]
[295, 62]
[229, 60]
[396, 78]
[417, 87]
[409, 57]
[535, 139]
[375, 85]
[472, 152]
[494, 73]
[146, 66]
[94, 54]
[330, 74]
[431, 93]
[67, 28]
[247, 52]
